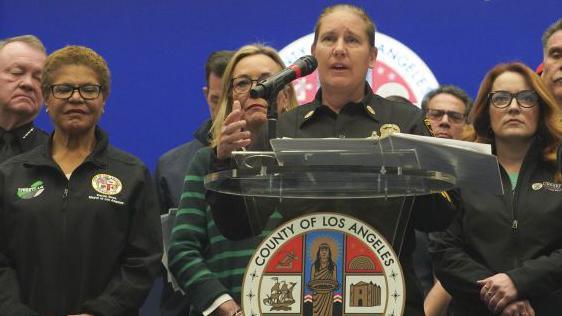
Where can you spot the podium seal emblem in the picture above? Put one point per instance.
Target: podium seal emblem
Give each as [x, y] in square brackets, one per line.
[324, 264]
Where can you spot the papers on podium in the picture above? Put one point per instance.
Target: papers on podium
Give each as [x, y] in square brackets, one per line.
[472, 164]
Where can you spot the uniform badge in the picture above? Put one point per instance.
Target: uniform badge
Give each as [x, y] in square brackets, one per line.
[324, 264]
[536, 186]
[106, 184]
[389, 129]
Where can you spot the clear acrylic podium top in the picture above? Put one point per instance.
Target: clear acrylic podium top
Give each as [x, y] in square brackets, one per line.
[396, 165]
[353, 168]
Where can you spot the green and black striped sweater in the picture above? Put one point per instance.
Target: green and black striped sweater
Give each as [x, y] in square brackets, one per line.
[206, 264]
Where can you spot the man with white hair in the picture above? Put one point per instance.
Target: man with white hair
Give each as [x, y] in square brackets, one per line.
[21, 62]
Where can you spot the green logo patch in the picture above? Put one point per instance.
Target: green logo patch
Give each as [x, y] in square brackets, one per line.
[34, 191]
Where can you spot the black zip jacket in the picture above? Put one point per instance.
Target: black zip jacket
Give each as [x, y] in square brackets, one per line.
[518, 233]
[88, 244]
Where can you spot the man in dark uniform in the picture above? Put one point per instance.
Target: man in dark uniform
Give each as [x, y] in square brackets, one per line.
[21, 62]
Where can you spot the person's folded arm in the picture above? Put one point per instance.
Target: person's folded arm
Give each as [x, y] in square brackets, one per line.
[237, 217]
[538, 277]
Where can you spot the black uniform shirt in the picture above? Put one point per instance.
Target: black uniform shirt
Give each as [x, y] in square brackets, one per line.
[355, 120]
[20, 140]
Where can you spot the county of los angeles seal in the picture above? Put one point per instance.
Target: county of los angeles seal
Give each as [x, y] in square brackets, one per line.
[324, 264]
[398, 70]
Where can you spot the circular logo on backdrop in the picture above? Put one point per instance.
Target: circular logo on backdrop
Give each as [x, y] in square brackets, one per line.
[324, 264]
[106, 184]
[398, 70]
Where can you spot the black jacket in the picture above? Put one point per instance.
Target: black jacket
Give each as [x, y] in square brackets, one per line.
[171, 168]
[90, 244]
[518, 233]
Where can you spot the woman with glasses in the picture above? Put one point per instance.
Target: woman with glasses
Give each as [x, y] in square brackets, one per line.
[79, 223]
[207, 266]
[503, 253]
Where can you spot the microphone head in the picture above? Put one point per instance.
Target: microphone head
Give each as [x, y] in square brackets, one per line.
[258, 91]
[307, 65]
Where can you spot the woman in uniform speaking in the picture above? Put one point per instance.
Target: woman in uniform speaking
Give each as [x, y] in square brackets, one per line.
[79, 224]
[344, 107]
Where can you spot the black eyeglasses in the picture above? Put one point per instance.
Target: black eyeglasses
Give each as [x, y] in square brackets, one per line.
[65, 91]
[454, 117]
[525, 98]
[244, 84]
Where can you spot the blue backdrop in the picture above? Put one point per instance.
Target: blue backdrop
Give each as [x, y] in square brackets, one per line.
[156, 49]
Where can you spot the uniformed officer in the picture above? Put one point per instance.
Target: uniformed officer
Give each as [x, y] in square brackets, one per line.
[344, 107]
[21, 62]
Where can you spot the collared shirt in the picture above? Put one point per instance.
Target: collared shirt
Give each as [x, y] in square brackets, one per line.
[20, 140]
[355, 120]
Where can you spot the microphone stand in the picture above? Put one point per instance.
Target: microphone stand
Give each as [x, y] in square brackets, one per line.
[272, 114]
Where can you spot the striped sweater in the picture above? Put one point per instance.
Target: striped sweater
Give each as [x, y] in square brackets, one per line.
[206, 264]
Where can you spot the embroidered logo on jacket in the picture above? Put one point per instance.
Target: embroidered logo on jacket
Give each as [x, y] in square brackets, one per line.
[549, 186]
[34, 191]
[106, 184]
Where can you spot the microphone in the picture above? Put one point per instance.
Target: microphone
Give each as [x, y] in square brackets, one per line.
[302, 67]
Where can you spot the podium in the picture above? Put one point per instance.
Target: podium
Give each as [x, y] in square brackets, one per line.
[345, 205]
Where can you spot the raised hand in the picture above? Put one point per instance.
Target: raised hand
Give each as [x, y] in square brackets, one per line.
[233, 136]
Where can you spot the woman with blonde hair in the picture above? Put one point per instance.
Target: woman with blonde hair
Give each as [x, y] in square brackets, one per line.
[503, 253]
[207, 266]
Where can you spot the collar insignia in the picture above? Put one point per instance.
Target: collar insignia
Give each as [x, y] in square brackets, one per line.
[308, 115]
[370, 110]
[428, 126]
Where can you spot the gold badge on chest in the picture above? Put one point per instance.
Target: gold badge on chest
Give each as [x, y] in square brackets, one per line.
[389, 129]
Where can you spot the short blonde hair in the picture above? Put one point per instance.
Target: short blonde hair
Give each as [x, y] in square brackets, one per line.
[225, 100]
